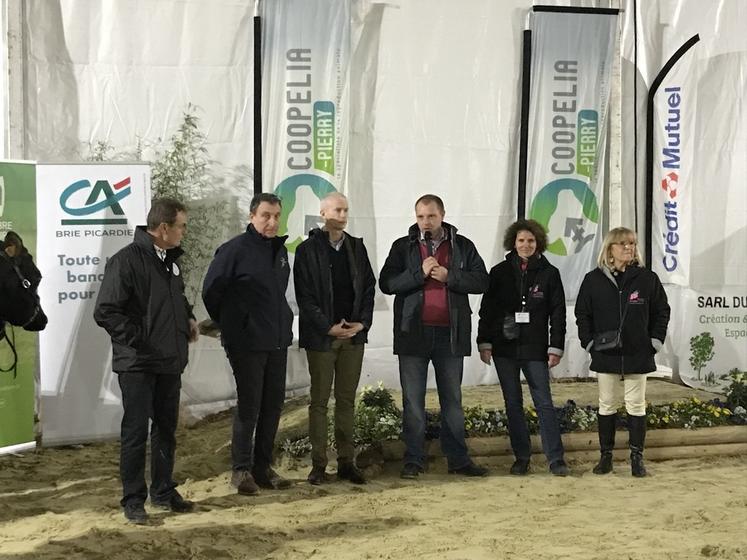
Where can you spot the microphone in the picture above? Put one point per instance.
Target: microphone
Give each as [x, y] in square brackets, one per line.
[428, 236]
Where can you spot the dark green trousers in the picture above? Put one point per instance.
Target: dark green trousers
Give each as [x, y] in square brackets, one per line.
[340, 366]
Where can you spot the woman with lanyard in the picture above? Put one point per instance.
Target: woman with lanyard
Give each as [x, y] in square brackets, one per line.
[622, 316]
[524, 296]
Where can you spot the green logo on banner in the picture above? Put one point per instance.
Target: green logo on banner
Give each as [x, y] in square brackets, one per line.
[324, 136]
[287, 190]
[545, 204]
[588, 134]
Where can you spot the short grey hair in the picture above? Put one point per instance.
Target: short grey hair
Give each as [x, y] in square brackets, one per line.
[333, 195]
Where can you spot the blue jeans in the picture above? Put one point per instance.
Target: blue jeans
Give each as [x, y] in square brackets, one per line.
[413, 374]
[538, 378]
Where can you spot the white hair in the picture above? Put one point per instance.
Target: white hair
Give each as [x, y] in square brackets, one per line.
[328, 199]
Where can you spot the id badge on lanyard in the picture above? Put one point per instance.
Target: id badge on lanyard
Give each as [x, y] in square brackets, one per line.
[522, 316]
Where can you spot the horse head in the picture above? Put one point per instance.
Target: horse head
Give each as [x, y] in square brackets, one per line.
[19, 304]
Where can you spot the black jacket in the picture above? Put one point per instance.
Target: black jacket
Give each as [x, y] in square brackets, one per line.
[141, 305]
[600, 305]
[244, 292]
[542, 288]
[312, 277]
[402, 275]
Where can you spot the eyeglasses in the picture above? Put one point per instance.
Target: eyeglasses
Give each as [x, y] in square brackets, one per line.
[625, 244]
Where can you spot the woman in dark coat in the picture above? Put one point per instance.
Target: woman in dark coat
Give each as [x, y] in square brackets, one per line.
[13, 246]
[525, 295]
[622, 316]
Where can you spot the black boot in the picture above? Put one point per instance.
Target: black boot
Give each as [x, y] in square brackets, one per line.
[606, 442]
[637, 434]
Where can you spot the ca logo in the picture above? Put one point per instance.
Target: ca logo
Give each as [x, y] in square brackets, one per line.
[94, 202]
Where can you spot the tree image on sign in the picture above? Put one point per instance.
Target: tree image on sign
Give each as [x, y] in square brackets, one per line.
[701, 351]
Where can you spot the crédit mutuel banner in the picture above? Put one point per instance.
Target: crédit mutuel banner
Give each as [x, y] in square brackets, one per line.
[674, 137]
[699, 211]
[87, 212]
[305, 63]
[571, 63]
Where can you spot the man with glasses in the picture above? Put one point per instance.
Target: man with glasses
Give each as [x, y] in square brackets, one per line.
[141, 305]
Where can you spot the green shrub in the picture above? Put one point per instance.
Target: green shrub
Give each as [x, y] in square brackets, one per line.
[736, 393]
[378, 419]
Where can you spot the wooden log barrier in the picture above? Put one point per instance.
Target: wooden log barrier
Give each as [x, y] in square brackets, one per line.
[660, 444]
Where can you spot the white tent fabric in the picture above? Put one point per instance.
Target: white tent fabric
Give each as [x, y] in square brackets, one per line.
[434, 94]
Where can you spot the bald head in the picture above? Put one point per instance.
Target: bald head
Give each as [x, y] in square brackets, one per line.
[332, 199]
[334, 211]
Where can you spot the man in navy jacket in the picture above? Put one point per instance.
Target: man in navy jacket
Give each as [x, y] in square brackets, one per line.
[244, 292]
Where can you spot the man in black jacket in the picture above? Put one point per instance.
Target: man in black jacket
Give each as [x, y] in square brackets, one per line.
[335, 293]
[244, 292]
[431, 271]
[141, 305]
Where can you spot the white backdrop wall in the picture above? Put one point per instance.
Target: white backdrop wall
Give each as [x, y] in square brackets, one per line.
[123, 72]
[446, 110]
[434, 98]
[4, 91]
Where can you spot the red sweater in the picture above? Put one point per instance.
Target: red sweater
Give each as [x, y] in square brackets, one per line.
[435, 293]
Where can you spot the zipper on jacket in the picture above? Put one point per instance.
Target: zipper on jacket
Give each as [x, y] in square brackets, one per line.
[452, 326]
[619, 321]
[169, 279]
[522, 295]
[331, 291]
[278, 295]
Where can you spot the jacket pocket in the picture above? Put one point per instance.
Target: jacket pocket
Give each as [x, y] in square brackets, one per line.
[410, 307]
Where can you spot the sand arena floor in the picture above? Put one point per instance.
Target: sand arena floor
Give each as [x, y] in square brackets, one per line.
[63, 504]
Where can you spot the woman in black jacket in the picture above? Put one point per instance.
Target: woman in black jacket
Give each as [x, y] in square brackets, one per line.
[524, 296]
[622, 316]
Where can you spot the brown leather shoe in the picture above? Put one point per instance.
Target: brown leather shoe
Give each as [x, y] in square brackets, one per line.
[271, 480]
[243, 481]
